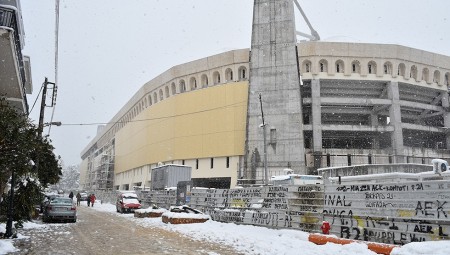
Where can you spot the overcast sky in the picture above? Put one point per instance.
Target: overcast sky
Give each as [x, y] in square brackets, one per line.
[109, 48]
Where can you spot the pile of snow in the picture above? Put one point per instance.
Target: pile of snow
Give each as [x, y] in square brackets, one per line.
[151, 210]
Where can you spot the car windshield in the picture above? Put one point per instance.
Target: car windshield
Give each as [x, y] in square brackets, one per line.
[130, 200]
[61, 201]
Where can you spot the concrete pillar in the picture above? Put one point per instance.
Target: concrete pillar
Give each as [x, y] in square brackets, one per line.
[316, 115]
[446, 106]
[274, 74]
[374, 123]
[316, 123]
[396, 122]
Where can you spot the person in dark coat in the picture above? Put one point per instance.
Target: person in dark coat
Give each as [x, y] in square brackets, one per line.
[78, 198]
[89, 200]
[71, 195]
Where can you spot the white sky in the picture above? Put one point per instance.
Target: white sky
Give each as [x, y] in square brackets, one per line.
[244, 238]
[108, 48]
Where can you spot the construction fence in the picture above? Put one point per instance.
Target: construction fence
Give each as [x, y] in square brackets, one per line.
[388, 212]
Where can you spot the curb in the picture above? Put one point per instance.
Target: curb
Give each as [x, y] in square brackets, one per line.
[379, 248]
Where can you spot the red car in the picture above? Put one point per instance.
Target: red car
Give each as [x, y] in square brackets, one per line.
[127, 202]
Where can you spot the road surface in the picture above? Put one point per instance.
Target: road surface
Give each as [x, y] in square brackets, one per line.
[106, 233]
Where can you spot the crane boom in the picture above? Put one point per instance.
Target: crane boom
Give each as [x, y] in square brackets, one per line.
[314, 35]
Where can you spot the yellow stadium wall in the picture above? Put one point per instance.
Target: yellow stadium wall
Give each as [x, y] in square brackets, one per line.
[204, 123]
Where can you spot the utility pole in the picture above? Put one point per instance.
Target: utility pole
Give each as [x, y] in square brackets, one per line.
[42, 113]
[266, 174]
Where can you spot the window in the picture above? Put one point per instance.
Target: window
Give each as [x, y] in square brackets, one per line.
[216, 77]
[196, 164]
[307, 66]
[328, 159]
[204, 81]
[229, 75]
[323, 65]
[446, 79]
[436, 76]
[182, 162]
[174, 88]
[413, 73]
[228, 162]
[193, 83]
[372, 67]
[161, 95]
[356, 67]
[155, 97]
[339, 66]
[212, 163]
[242, 73]
[425, 74]
[149, 100]
[167, 92]
[387, 68]
[182, 86]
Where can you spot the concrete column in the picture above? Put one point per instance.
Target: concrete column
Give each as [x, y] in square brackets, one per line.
[396, 122]
[274, 73]
[316, 115]
[446, 115]
[316, 123]
[374, 123]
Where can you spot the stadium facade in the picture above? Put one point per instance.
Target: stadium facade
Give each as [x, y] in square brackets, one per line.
[324, 104]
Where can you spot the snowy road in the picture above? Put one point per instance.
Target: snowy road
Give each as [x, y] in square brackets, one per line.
[107, 233]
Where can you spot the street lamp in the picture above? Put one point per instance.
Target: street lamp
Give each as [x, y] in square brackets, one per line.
[56, 123]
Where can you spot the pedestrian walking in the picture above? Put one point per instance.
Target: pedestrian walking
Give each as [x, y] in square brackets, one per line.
[71, 195]
[78, 199]
[89, 200]
[92, 200]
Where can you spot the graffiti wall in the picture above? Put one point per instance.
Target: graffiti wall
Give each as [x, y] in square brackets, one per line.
[395, 213]
[297, 207]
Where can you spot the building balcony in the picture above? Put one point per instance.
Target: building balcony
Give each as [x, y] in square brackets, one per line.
[15, 70]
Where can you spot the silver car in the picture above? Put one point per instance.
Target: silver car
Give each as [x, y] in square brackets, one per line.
[60, 209]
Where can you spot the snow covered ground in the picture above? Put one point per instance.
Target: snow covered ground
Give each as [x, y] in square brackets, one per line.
[255, 240]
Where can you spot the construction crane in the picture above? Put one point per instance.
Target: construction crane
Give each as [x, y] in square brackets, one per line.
[314, 36]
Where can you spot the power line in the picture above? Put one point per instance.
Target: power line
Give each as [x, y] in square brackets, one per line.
[158, 118]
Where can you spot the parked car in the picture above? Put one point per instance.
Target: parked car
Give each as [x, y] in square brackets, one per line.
[84, 196]
[127, 202]
[59, 209]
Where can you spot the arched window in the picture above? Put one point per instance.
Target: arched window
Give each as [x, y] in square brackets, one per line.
[401, 70]
[323, 66]
[228, 75]
[372, 67]
[387, 68]
[145, 102]
[356, 67]
[425, 74]
[204, 81]
[242, 73]
[193, 83]
[174, 88]
[150, 100]
[155, 97]
[161, 95]
[339, 66]
[413, 73]
[436, 76]
[182, 86]
[216, 77]
[306, 66]
[446, 79]
[167, 91]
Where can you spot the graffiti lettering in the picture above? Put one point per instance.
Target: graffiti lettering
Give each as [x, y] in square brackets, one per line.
[336, 200]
